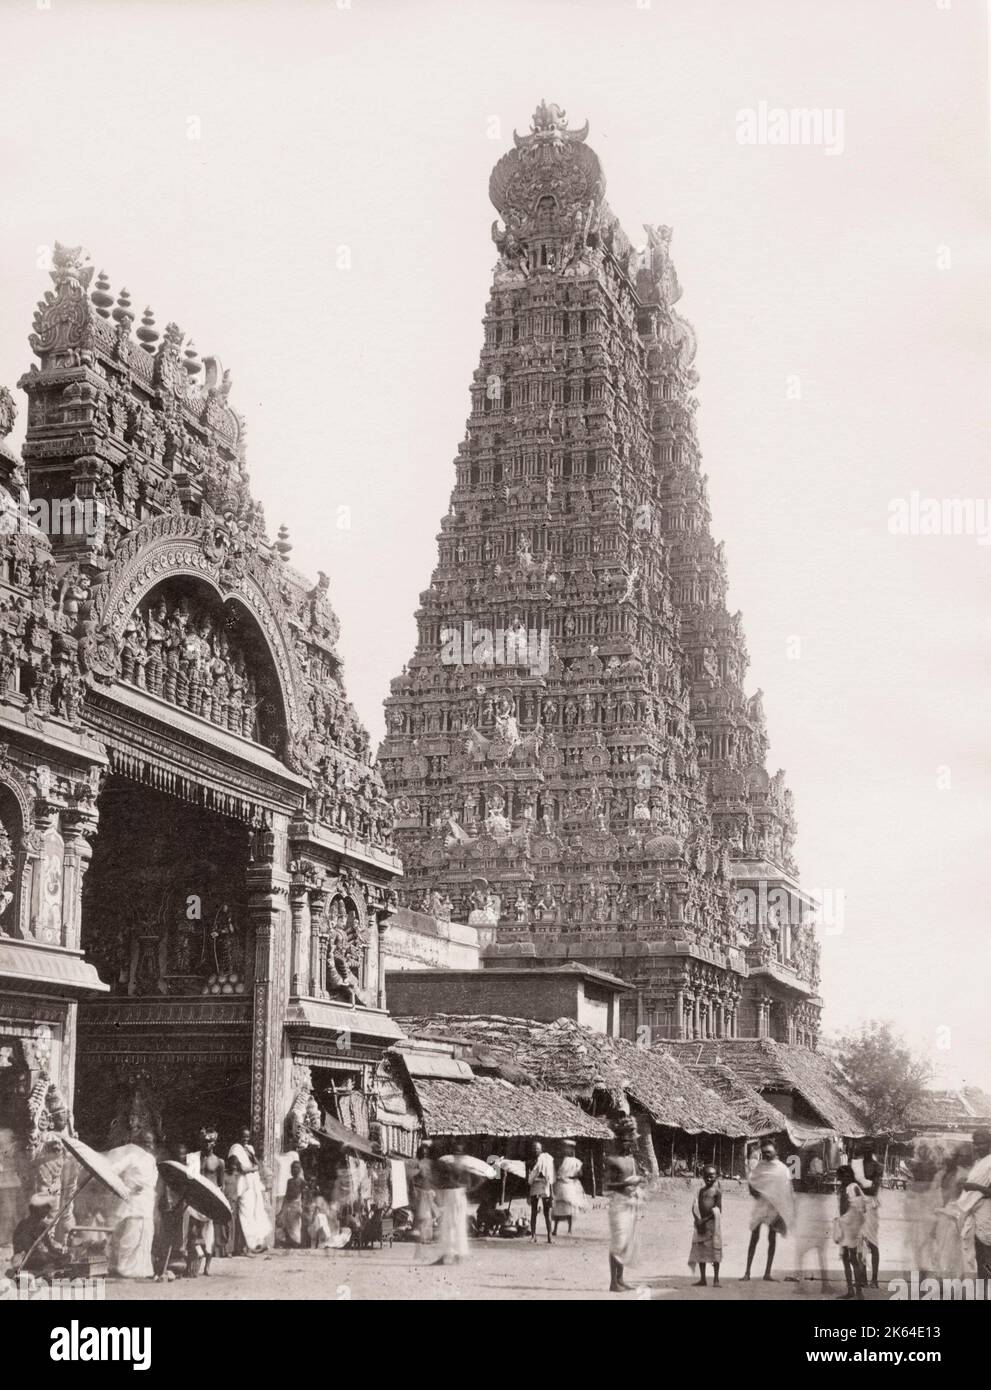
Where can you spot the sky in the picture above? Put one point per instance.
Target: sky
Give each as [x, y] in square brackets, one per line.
[303, 188]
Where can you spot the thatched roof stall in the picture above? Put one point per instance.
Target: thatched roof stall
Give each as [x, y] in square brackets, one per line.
[500, 1110]
[604, 1074]
[806, 1086]
[950, 1112]
[493, 1107]
[760, 1117]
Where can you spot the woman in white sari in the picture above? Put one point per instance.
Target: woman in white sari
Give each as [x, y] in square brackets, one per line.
[253, 1227]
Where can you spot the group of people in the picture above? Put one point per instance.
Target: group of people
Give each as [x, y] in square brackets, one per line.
[949, 1208]
[441, 1186]
[343, 1210]
[156, 1228]
[183, 1231]
[778, 1212]
[557, 1192]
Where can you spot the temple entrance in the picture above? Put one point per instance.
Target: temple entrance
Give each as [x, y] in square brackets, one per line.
[164, 920]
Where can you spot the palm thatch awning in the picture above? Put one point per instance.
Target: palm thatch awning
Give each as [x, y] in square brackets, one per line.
[782, 1068]
[490, 1106]
[585, 1065]
[759, 1115]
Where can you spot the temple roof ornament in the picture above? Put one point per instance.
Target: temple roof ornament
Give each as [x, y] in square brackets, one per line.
[549, 123]
[69, 266]
[550, 184]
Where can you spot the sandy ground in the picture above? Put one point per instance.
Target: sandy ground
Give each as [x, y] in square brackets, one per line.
[574, 1267]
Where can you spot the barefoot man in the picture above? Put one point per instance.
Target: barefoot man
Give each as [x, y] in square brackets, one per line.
[623, 1184]
[770, 1187]
[707, 1222]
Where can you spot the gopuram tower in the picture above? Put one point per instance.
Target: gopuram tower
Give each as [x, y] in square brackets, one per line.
[573, 762]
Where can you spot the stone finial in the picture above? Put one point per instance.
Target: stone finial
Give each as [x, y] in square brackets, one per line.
[192, 361]
[283, 545]
[102, 296]
[123, 314]
[147, 333]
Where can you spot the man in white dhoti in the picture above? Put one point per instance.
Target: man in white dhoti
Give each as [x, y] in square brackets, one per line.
[972, 1209]
[134, 1231]
[569, 1195]
[540, 1181]
[252, 1225]
[452, 1199]
[773, 1205]
[623, 1183]
[207, 1164]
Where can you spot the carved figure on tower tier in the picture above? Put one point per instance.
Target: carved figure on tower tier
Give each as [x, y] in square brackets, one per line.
[627, 762]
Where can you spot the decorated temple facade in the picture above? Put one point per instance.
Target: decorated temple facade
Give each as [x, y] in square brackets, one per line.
[574, 764]
[196, 859]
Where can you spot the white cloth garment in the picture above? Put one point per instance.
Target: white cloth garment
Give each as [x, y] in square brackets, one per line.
[541, 1176]
[250, 1198]
[134, 1229]
[774, 1204]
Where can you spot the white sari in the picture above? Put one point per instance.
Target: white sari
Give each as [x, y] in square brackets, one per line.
[134, 1228]
[250, 1209]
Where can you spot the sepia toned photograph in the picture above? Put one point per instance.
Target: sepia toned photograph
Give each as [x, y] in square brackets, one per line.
[495, 521]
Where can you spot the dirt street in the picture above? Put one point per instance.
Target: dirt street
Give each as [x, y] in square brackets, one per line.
[574, 1267]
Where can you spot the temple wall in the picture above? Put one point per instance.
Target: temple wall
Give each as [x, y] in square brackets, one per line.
[414, 940]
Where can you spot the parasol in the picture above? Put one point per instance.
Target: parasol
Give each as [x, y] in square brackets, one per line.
[199, 1193]
[96, 1166]
[516, 1166]
[475, 1166]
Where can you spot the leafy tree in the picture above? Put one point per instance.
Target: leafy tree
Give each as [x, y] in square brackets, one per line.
[886, 1076]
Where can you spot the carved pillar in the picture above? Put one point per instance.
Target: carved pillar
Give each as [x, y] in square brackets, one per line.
[382, 918]
[77, 826]
[679, 1014]
[28, 859]
[268, 917]
[299, 904]
[696, 1017]
[318, 944]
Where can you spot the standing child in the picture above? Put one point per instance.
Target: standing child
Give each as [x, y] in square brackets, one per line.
[707, 1237]
[224, 1231]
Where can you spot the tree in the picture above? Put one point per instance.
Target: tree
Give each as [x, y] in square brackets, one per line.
[886, 1076]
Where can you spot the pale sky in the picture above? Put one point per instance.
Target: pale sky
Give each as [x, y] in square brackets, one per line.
[215, 156]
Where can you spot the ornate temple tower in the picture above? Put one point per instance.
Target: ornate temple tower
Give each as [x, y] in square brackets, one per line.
[572, 759]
